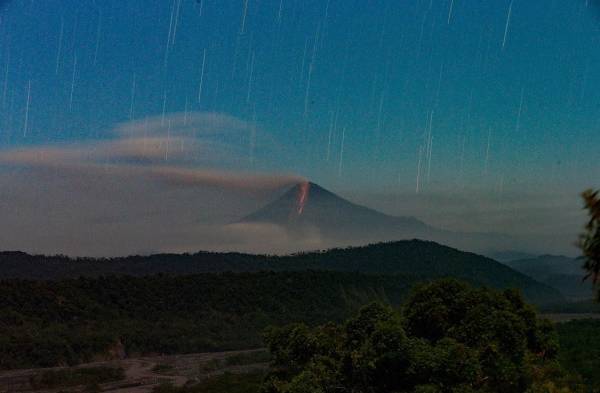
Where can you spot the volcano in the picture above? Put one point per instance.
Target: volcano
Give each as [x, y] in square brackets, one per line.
[308, 209]
[308, 205]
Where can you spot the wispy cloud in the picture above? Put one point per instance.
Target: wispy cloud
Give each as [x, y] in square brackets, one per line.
[182, 149]
[158, 184]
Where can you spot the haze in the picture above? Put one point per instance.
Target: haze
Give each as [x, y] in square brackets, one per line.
[138, 127]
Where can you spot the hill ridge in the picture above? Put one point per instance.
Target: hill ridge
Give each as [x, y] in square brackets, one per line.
[409, 257]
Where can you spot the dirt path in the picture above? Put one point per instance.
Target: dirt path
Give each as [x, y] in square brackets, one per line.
[142, 374]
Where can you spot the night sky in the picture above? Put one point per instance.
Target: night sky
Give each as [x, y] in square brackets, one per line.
[413, 107]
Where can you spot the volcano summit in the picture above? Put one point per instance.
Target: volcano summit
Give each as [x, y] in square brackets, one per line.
[309, 209]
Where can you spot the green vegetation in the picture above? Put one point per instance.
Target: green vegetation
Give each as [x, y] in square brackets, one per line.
[224, 383]
[244, 359]
[44, 323]
[68, 377]
[590, 239]
[417, 258]
[50, 323]
[580, 349]
[71, 321]
[449, 337]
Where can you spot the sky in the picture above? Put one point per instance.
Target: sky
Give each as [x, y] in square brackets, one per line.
[471, 115]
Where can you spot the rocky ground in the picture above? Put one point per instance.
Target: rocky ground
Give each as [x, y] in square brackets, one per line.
[142, 374]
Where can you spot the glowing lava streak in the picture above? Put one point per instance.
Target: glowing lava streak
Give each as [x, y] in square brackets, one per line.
[303, 190]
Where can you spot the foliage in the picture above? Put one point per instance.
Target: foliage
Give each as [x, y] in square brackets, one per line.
[89, 376]
[424, 259]
[224, 383]
[246, 358]
[590, 240]
[50, 323]
[580, 349]
[449, 337]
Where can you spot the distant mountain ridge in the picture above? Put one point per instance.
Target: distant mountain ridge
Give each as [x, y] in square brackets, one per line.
[547, 265]
[511, 255]
[308, 209]
[308, 204]
[420, 259]
[560, 272]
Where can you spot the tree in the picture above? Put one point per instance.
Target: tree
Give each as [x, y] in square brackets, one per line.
[449, 337]
[589, 241]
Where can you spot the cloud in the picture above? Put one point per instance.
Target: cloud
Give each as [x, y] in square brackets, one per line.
[160, 184]
[178, 183]
[69, 160]
[193, 123]
[181, 149]
[238, 181]
[543, 222]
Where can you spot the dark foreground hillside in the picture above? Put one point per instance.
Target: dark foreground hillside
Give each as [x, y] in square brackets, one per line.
[448, 337]
[580, 349]
[414, 257]
[49, 323]
[46, 323]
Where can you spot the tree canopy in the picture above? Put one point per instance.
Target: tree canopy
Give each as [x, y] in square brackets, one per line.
[447, 337]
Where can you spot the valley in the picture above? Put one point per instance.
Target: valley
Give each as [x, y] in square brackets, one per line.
[141, 374]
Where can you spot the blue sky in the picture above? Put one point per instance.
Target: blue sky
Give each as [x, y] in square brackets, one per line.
[381, 67]
[365, 97]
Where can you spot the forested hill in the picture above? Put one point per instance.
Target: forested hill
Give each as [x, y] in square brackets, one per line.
[48, 323]
[413, 257]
